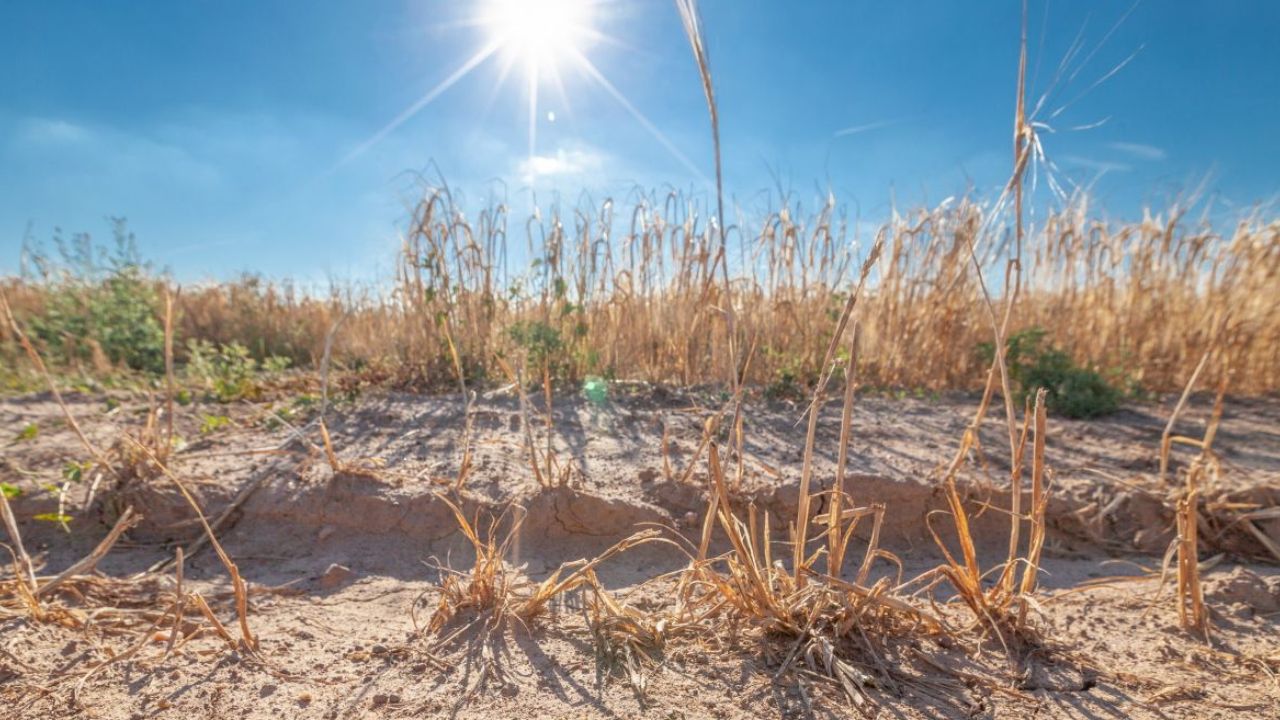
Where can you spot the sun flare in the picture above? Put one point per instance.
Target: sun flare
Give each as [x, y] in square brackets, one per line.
[549, 43]
[539, 32]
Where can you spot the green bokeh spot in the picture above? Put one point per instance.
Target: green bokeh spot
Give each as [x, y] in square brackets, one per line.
[596, 389]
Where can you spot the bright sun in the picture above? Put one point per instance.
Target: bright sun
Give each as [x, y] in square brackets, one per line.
[538, 32]
[542, 37]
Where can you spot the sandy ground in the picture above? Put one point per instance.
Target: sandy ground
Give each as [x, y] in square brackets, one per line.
[340, 565]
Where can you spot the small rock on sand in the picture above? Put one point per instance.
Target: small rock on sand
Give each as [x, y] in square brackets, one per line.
[334, 576]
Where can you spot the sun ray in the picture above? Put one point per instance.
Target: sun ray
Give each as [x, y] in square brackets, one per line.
[639, 117]
[533, 109]
[557, 81]
[504, 71]
[480, 56]
[538, 35]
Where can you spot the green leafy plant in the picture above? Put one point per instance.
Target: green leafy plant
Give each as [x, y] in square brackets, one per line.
[10, 491]
[276, 364]
[791, 379]
[294, 411]
[305, 401]
[29, 432]
[226, 371]
[60, 518]
[213, 423]
[73, 472]
[100, 300]
[1072, 391]
[784, 387]
[542, 342]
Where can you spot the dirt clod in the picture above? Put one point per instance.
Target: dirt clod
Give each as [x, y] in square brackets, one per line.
[1243, 587]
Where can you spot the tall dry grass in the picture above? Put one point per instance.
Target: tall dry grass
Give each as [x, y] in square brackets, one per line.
[631, 292]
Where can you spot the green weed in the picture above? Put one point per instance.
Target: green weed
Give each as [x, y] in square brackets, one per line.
[228, 372]
[73, 472]
[1072, 391]
[213, 423]
[99, 300]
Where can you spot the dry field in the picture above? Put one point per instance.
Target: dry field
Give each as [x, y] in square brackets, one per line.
[363, 598]
[649, 458]
[596, 488]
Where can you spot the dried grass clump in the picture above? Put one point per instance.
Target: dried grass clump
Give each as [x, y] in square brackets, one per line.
[27, 595]
[132, 460]
[1193, 614]
[857, 634]
[627, 641]
[493, 594]
[153, 621]
[477, 608]
[1005, 606]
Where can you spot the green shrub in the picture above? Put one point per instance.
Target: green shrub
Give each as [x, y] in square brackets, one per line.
[228, 372]
[225, 371]
[793, 378]
[542, 342]
[1070, 390]
[786, 385]
[100, 295]
[273, 364]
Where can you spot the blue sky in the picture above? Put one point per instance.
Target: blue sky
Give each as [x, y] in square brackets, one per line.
[225, 131]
